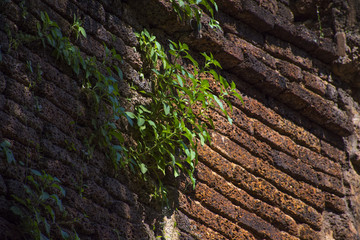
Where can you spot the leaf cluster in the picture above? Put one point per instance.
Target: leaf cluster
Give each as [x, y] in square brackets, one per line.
[40, 203]
[98, 78]
[193, 9]
[5, 150]
[168, 129]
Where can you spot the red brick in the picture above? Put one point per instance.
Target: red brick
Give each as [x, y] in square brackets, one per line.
[295, 96]
[259, 130]
[306, 233]
[255, 51]
[289, 70]
[49, 112]
[260, 188]
[196, 229]
[301, 190]
[13, 129]
[62, 99]
[251, 69]
[288, 146]
[241, 198]
[273, 84]
[255, 108]
[326, 50]
[295, 168]
[212, 220]
[26, 117]
[287, 51]
[335, 203]
[314, 83]
[336, 120]
[333, 152]
[217, 202]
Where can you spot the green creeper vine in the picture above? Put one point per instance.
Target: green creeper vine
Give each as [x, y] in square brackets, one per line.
[194, 9]
[167, 131]
[40, 209]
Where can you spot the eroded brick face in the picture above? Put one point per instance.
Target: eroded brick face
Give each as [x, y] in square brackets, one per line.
[287, 168]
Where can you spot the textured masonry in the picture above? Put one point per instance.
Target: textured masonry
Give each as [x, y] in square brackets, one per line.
[287, 168]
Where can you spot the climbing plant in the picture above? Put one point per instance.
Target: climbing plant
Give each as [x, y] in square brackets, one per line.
[39, 202]
[167, 131]
[193, 9]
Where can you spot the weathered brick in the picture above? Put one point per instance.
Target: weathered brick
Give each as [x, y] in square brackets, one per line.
[14, 69]
[306, 233]
[337, 120]
[331, 92]
[326, 50]
[298, 35]
[96, 193]
[284, 11]
[253, 13]
[19, 93]
[52, 71]
[92, 47]
[301, 190]
[120, 191]
[286, 145]
[230, 55]
[251, 69]
[2, 82]
[250, 12]
[14, 129]
[63, 6]
[255, 51]
[62, 99]
[240, 197]
[314, 83]
[316, 108]
[219, 203]
[3, 188]
[26, 117]
[8, 230]
[121, 29]
[242, 138]
[295, 168]
[49, 112]
[53, 11]
[212, 220]
[260, 188]
[196, 229]
[273, 84]
[300, 120]
[319, 162]
[289, 70]
[335, 203]
[94, 8]
[287, 51]
[244, 31]
[333, 152]
[295, 96]
[256, 108]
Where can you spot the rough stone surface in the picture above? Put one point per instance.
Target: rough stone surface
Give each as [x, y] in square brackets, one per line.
[287, 168]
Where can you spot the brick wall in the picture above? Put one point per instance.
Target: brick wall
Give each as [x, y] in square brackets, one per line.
[285, 169]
